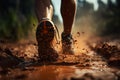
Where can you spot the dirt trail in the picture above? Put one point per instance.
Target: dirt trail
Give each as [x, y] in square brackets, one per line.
[90, 63]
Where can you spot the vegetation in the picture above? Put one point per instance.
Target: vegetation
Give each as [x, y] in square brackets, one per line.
[16, 18]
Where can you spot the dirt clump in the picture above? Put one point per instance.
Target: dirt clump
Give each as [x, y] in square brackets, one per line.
[111, 53]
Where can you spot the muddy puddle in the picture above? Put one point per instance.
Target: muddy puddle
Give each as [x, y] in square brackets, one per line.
[51, 73]
[58, 72]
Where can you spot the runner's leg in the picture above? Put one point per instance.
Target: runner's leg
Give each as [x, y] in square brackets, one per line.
[43, 9]
[68, 10]
[45, 30]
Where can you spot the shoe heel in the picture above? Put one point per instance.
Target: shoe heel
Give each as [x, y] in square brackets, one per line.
[45, 31]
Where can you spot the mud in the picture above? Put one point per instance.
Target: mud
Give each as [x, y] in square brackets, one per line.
[20, 62]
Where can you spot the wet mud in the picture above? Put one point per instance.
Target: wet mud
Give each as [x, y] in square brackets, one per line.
[20, 62]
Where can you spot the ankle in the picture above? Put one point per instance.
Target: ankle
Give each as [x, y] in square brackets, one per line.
[66, 35]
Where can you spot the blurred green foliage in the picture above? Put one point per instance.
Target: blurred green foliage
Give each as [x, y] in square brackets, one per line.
[16, 18]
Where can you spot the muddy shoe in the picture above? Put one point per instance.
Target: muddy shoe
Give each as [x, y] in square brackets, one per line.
[67, 41]
[45, 34]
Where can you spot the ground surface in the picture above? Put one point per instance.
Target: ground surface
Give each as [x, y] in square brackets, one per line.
[99, 61]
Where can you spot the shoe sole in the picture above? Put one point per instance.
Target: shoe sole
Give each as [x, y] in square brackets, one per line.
[45, 31]
[45, 34]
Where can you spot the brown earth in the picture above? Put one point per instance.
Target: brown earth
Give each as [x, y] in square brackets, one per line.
[100, 61]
